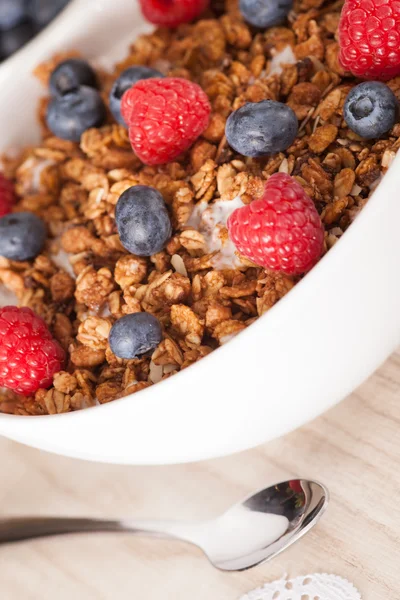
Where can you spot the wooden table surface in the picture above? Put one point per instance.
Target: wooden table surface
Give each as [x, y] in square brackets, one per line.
[354, 449]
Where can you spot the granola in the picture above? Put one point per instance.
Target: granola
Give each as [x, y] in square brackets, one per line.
[199, 288]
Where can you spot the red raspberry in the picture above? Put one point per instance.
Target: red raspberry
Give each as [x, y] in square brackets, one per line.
[165, 117]
[171, 13]
[282, 231]
[295, 485]
[7, 196]
[29, 356]
[369, 38]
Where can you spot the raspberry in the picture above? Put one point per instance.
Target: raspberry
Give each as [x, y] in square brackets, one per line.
[369, 38]
[29, 356]
[7, 196]
[171, 13]
[295, 485]
[282, 231]
[124, 82]
[164, 117]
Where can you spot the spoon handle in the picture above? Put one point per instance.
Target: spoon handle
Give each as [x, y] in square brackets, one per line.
[17, 529]
[25, 528]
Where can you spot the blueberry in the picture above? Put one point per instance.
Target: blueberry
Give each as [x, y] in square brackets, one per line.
[69, 116]
[44, 11]
[124, 82]
[371, 109]
[71, 74]
[142, 220]
[13, 39]
[22, 236]
[261, 128]
[265, 13]
[12, 12]
[135, 335]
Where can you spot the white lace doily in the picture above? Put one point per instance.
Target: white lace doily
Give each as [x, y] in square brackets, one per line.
[319, 586]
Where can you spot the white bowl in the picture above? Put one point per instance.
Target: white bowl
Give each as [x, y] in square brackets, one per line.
[306, 354]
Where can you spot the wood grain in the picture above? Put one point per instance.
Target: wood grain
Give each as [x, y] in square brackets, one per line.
[354, 449]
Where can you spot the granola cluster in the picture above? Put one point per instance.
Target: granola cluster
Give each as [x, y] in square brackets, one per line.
[201, 301]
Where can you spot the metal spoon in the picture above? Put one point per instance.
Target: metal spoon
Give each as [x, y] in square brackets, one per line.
[249, 533]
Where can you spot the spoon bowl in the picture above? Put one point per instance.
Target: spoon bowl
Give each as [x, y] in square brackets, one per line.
[246, 535]
[262, 525]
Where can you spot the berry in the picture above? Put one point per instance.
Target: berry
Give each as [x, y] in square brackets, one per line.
[165, 117]
[142, 220]
[13, 39]
[261, 128]
[7, 196]
[12, 12]
[371, 109]
[295, 485]
[265, 13]
[171, 13]
[70, 75]
[135, 335]
[29, 356]
[369, 38]
[70, 115]
[22, 236]
[126, 80]
[44, 11]
[282, 231]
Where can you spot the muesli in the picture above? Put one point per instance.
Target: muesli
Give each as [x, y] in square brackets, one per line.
[140, 258]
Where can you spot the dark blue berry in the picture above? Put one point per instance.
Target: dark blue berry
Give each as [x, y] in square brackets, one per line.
[125, 81]
[44, 11]
[13, 39]
[143, 221]
[12, 12]
[135, 335]
[22, 236]
[371, 109]
[261, 128]
[265, 13]
[71, 74]
[69, 116]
